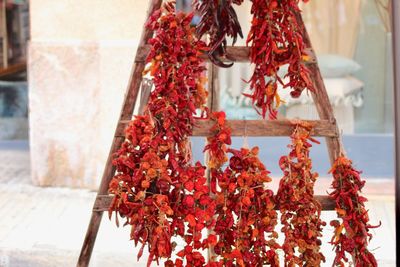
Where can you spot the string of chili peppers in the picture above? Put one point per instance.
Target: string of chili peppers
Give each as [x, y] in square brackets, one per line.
[219, 21]
[245, 212]
[217, 147]
[195, 208]
[300, 211]
[152, 161]
[275, 39]
[351, 234]
[218, 143]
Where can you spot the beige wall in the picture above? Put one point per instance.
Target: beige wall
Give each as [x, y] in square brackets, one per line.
[80, 57]
[88, 20]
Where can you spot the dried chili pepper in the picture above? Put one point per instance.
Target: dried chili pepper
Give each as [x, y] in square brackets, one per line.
[250, 240]
[275, 40]
[301, 212]
[245, 212]
[351, 234]
[219, 20]
[194, 208]
[156, 152]
[217, 147]
[162, 195]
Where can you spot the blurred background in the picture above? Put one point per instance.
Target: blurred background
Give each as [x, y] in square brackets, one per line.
[64, 69]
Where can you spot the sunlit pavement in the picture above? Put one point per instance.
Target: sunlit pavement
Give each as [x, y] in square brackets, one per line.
[46, 226]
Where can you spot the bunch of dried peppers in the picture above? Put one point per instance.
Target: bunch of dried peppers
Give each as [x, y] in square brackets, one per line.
[245, 208]
[156, 189]
[351, 233]
[219, 21]
[162, 195]
[275, 39]
[300, 211]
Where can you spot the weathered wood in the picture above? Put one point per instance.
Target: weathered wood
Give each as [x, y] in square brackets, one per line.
[90, 239]
[3, 32]
[236, 53]
[13, 69]
[210, 85]
[256, 128]
[126, 114]
[103, 202]
[321, 99]
[233, 53]
[215, 89]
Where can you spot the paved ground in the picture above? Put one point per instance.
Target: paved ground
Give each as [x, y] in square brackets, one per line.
[43, 227]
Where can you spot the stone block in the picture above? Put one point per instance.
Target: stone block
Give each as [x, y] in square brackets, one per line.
[75, 96]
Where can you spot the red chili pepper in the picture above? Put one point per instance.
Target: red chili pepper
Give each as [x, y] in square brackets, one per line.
[155, 186]
[352, 234]
[301, 212]
[249, 240]
[162, 195]
[275, 40]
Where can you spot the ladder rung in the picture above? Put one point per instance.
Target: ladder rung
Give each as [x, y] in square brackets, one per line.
[233, 53]
[103, 202]
[256, 128]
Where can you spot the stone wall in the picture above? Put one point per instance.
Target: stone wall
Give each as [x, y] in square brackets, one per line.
[80, 58]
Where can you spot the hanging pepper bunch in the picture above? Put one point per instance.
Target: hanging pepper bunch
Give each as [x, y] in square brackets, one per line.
[217, 147]
[351, 234]
[193, 207]
[219, 20]
[250, 240]
[301, 212]
[245, 212]
[275, 39]
[151, 162]
[137, 197]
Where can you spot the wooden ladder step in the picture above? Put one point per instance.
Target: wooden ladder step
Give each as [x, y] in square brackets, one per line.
[103, 202]
[255, 128]
[13, 69]
[233, 53]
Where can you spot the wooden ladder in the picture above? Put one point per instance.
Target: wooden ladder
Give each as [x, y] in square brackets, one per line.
[325, 127]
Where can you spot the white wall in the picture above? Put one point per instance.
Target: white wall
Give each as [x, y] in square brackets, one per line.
[80, 57]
